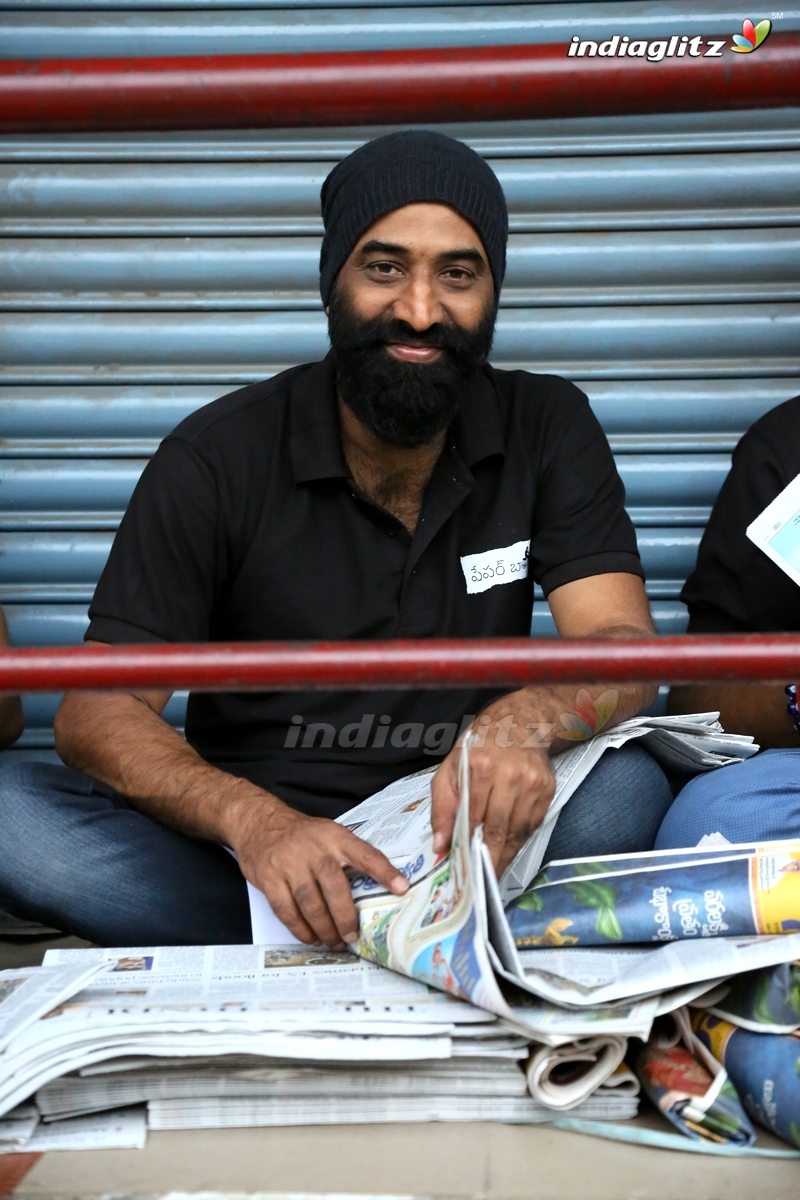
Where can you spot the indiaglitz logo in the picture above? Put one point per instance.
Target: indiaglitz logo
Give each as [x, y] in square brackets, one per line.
[590, 715]
[677, 46]
[751, 36]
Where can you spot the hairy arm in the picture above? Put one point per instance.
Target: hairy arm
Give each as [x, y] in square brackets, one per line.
[297, 861]
[511, 777]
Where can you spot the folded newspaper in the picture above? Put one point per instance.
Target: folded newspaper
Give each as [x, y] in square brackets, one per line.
[662, 896]
[397, 819]
[765, 1001]
[450, 929]
[764, 1069]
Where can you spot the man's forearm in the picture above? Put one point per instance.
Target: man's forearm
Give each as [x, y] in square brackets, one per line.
[555, 718]
[120, 740]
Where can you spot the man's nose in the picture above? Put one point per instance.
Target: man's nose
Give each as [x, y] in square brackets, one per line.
[418, 305]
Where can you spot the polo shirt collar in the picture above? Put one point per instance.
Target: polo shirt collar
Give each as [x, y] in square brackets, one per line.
[315, 444]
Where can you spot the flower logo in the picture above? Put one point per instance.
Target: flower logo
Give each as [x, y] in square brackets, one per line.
[590, 715]
[751, 36]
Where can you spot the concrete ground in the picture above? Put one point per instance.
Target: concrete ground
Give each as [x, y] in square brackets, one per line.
[498, 1162]
[387, 1162]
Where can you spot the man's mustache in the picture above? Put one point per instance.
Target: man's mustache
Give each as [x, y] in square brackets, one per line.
[380, 332]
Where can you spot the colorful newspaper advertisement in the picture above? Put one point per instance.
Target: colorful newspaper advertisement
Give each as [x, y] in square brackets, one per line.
[765, 1001]
[764, 1069]
[661, 898]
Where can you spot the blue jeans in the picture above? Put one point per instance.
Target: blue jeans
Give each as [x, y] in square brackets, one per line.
[75, 855]
[754, 801]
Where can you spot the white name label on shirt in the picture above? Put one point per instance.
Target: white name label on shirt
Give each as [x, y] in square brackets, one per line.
[493, 567]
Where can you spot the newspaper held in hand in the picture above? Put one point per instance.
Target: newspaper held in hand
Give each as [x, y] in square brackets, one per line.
[397, 820]
[451, 930]
[692, 743]
[776, 530]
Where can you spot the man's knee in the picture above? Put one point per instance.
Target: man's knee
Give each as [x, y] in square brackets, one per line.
[617, 809]
[22, 783]
[757, 800]
[36, 798]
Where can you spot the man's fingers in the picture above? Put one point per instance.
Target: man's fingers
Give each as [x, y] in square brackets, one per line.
[530, 807]
[282, 904]
[525, 818]
[336, 891]
[444, 803]
[482, 786]
[495, 825]
[313, 906]
[364, 857]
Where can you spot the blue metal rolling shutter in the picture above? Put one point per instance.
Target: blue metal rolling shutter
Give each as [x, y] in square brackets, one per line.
[652, 260]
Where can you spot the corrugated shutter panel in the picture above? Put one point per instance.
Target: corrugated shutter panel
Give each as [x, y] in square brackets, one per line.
[109, 29]
[652, 260]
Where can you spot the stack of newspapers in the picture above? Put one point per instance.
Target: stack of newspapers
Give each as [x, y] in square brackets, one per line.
[250, 1035]
[471, 997]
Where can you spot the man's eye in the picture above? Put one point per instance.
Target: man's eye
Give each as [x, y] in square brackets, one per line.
[458, 274]
[384, 268]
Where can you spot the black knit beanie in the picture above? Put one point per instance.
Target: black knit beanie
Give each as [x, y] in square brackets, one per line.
[409, 167]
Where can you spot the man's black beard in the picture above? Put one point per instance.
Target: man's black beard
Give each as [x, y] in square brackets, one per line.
[404, 403]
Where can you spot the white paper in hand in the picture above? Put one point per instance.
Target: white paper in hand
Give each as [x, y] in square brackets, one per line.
[776, 530]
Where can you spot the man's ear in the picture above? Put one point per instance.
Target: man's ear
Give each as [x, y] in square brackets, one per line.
[328, 309]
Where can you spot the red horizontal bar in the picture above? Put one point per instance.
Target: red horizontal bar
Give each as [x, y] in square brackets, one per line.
[386, 87]
[501, 662]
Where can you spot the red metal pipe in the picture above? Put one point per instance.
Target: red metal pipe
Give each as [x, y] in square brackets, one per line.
[501, 662]
[386, 87]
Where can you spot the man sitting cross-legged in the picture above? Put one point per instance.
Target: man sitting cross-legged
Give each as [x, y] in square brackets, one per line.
[401, 488]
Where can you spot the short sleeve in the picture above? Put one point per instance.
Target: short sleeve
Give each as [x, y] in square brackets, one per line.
[581, 527]
[735, 588]
[162, 576]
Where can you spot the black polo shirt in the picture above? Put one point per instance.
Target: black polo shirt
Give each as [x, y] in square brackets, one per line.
[247, 526]
[735, 587]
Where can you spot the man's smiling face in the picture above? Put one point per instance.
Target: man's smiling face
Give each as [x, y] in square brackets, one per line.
[410, 319]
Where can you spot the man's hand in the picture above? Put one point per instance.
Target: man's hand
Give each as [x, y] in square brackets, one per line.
[510, 790]
[298, 863]
[511, 779]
